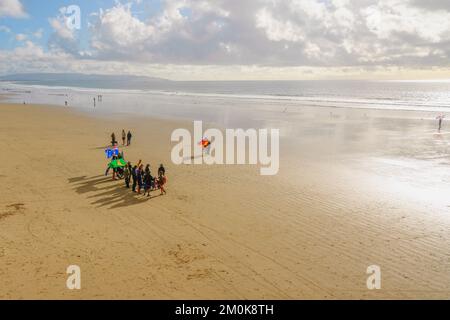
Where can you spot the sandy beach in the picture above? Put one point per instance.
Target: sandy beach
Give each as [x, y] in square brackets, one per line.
[359, 188]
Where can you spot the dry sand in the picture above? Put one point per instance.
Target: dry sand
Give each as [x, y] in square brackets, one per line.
[221, 231]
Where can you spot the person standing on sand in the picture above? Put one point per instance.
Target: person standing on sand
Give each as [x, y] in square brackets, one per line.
[161, 170]
[109, 167]
[148, 179]
[139, 174]
[113, 139]
[129, 135]
[123, 137]
[161, 182]
[127, 174]
[134, 177]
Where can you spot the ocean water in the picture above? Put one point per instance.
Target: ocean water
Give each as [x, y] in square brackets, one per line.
[402, 95]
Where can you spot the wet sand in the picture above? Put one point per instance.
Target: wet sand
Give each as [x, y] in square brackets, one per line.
[355, 188]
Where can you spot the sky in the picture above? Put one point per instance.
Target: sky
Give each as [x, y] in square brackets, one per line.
[229, 39]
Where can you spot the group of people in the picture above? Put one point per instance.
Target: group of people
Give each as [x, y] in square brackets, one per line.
[141, 178]
[138, 177]
[125, 136]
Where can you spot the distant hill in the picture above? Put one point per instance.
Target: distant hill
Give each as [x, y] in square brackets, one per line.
[74, 76]
[86, 80]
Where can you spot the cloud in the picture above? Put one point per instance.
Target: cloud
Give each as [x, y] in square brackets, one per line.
[21, 37]
[280, 37]
[117, 30]
[65, 36]
[169, 36]
[276, 33]
[60, 28]
[12, 8]
[388, 20]
[30, 57]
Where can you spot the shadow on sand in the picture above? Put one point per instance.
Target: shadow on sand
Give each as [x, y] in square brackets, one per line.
[108, 193]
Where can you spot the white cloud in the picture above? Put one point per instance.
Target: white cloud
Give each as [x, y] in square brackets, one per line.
[59, 26]
[117, 29]
[277, 29]
[30, 57]
[21, 37]
[249, 37]
[12, 8]
[388, 18]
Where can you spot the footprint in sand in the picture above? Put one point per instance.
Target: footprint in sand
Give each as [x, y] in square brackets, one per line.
[185, 254]
[12, 209]
[200, 274]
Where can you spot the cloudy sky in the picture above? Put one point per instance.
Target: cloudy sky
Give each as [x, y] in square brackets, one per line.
[229, 39]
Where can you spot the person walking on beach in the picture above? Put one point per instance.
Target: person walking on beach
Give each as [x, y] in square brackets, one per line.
[123, 137]
[206, 145]
[113, 139]
[94, 102]
[161, 170]
[127, 174]
[129, 135]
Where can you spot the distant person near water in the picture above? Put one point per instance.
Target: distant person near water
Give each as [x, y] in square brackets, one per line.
[440, 118]
[129, 136]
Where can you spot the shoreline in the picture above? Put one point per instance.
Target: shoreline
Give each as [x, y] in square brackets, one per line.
[357, 103]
